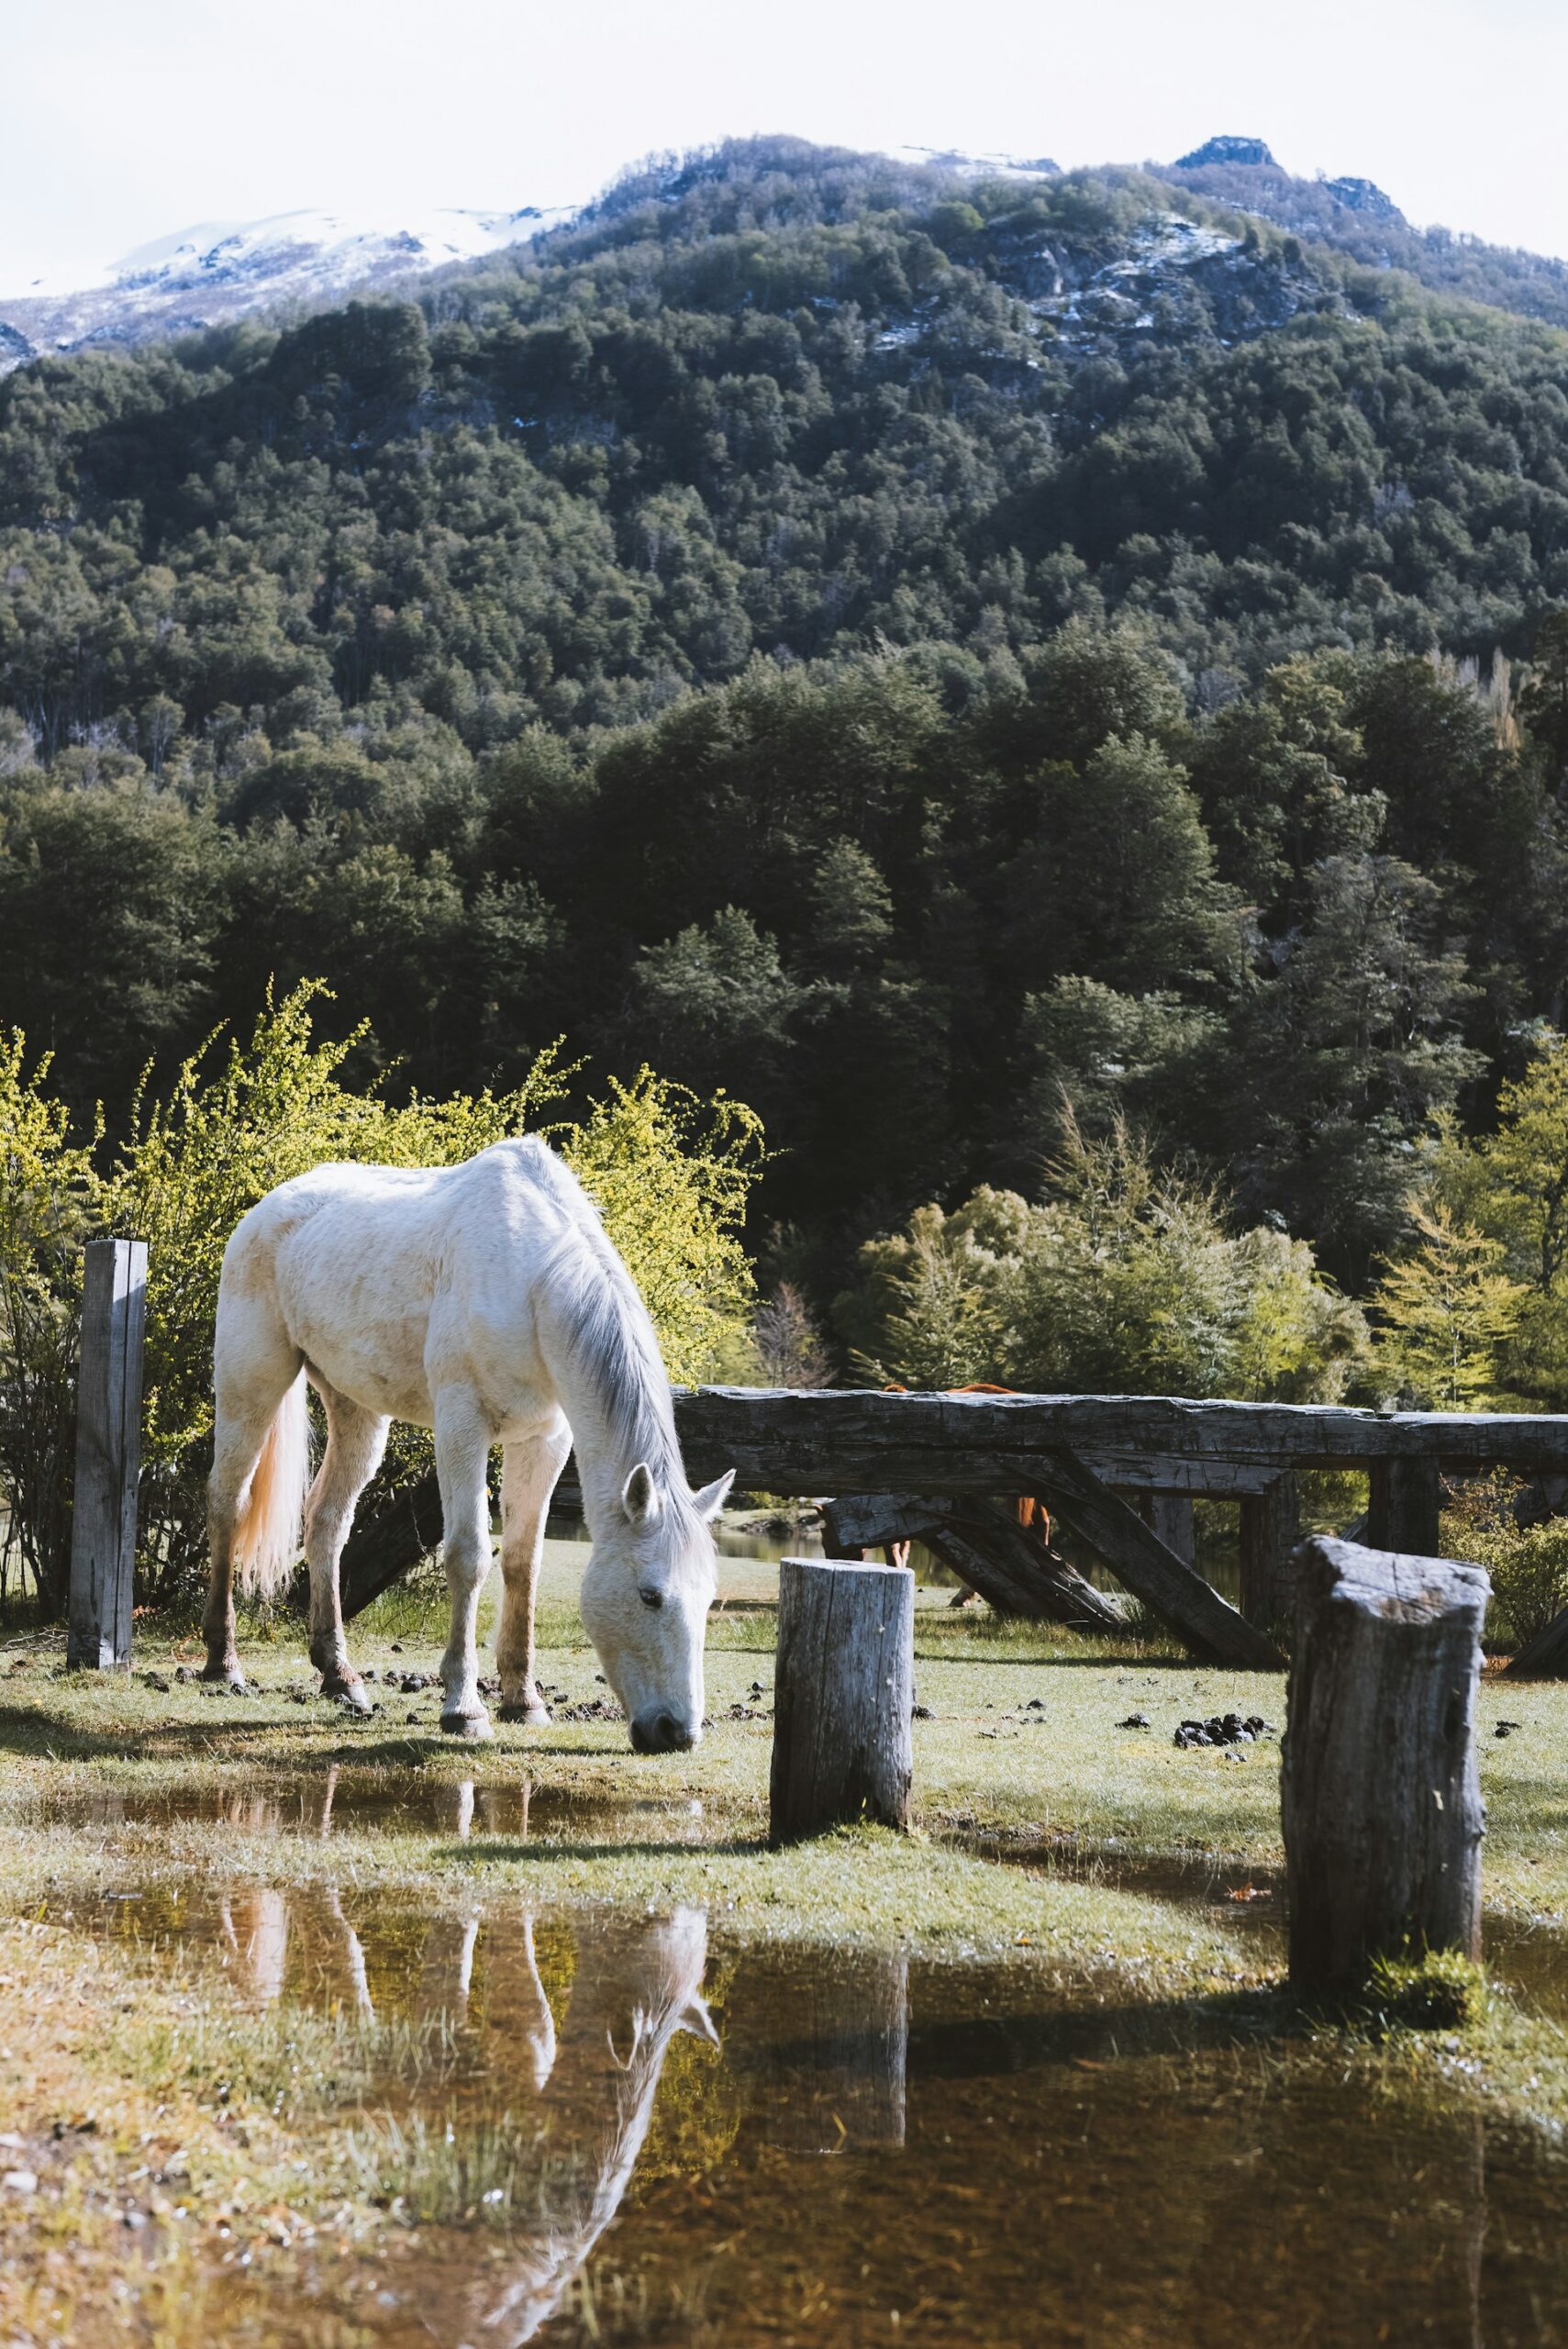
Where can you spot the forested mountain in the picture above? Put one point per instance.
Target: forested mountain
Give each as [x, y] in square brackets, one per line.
[893, 643]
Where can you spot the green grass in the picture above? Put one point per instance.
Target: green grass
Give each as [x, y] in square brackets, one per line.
[1024, 1757]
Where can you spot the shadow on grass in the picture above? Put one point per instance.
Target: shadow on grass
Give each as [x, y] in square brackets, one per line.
[500, 1849]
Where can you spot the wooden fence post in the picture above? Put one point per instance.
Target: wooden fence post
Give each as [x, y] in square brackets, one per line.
[1169, 1516]
[1270, 1531]
[1405, 1497]
[108, 1455]
[843, 1696]
[1380, 1797]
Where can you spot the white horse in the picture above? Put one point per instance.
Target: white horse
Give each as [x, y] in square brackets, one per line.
[483, 1301]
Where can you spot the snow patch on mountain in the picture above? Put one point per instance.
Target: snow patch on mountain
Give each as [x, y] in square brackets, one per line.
[220, 270]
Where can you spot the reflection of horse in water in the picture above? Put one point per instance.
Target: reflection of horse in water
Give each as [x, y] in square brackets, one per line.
[636, 1985]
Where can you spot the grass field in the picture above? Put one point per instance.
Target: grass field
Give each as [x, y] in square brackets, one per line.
[1096, 1854]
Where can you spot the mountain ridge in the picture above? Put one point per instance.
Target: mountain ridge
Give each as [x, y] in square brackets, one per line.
[289, 263]
[218, 272]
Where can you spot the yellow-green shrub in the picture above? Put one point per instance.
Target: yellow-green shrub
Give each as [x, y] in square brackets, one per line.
[671, 1172]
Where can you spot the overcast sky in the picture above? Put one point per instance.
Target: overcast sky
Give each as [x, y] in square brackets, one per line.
[124, 119]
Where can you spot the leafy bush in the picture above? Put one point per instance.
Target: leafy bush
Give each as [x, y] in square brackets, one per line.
[1125, 1279]
[671, 1173]
[1529, 1566]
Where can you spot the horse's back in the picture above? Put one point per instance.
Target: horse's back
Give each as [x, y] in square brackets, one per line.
[427, 1200]
[381, 1276]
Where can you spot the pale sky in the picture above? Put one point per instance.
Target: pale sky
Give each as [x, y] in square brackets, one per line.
[122, 120]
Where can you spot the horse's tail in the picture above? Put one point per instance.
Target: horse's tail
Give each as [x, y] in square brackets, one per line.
[267, 1530]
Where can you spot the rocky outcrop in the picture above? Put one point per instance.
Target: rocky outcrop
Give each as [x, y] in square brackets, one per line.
[1365, 197]
[1251, 151]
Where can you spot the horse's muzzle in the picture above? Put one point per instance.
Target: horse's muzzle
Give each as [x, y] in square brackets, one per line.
[661, 1733]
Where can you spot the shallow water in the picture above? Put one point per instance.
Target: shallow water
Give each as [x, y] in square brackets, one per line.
[628, 2126]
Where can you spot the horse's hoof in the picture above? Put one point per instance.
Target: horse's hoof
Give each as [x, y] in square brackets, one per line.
[531, 1716]
[351, 1693]
[227, 1671]
[473, 1726]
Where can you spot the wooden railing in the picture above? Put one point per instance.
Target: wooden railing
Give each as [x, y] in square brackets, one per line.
[1119, 1471]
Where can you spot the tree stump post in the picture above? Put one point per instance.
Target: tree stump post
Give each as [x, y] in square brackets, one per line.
[843, 1696]
[1380, 1795]
[108, 1456]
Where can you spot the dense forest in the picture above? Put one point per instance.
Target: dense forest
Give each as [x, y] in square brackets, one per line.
[968, 667]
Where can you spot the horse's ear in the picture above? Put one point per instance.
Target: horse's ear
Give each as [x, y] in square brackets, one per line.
[639, 1496]
[712, 1498]
[696, 2019]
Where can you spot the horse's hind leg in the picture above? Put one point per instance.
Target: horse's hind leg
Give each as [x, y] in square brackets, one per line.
[462, 1452]
[528, 1479]
[254, 1365]
[355, 1440]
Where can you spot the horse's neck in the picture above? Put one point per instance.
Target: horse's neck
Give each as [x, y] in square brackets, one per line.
[609, 1383]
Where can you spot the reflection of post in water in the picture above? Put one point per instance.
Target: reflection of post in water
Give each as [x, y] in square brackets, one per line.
[636, 1986]
[503, 1810]
[837, 2080]
[255, 1928]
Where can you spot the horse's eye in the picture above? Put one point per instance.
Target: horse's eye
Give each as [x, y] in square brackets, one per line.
[651, 1598]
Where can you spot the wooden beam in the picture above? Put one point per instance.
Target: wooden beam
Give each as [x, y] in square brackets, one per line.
[108, 1456]
[1546, 1656]
[1206, 1623]
[1170, 1515]
[1271, 1529]
[1223, 1480]
[405, 1529]
[804, 1441]
[1403, 1504]
[984, 1545]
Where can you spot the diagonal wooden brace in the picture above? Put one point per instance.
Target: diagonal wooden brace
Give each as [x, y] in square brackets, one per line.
[1205, 1623]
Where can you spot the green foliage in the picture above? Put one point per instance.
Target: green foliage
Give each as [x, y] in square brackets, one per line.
[49, 1206]
[1528, 1564]
[1125, 1280]
[766, 636]
[1446, 1313]
[1501, 1202]
[671, 1173]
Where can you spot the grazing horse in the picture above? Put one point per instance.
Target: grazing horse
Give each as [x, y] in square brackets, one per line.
[483, 1301]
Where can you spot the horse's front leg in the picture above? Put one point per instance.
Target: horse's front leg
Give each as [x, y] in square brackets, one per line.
[462, 1450]
[355, 1440]
[528, 1475]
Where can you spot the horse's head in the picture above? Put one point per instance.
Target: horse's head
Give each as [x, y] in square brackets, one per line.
[646, 1594]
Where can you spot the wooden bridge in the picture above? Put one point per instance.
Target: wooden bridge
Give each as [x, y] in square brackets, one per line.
[1120, 1472]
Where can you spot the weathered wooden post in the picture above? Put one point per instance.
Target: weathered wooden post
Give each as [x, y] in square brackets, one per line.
[1170, 1517]
[843, 1696]
[1380, 1797]
[108, 1455]
[1404, 1496]
[1271, 1528]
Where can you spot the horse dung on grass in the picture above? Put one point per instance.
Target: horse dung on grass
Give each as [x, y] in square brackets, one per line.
[485, 1302]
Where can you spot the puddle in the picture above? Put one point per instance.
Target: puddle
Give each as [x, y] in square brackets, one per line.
[1529, 1960]
[343, 1801]
[613, 2126]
